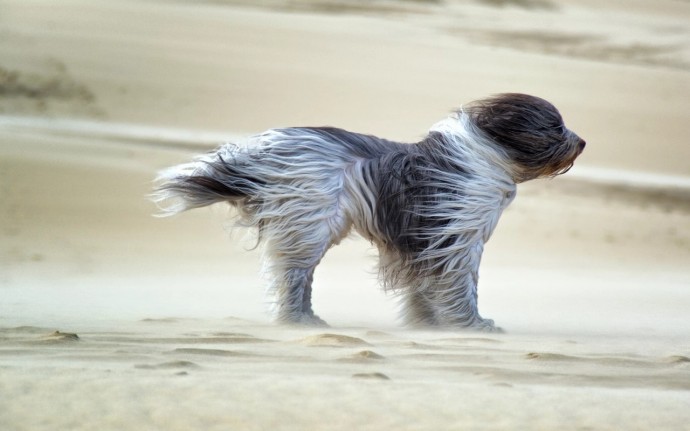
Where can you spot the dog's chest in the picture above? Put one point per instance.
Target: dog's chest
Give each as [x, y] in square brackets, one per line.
[494, 212]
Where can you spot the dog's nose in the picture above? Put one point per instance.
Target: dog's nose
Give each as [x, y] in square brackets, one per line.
[581, 145]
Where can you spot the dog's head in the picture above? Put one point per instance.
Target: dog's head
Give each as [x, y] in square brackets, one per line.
[531, 132]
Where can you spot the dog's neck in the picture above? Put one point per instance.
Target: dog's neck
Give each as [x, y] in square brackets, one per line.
[473, 145]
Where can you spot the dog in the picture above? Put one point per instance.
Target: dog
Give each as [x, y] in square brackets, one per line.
[429, 207]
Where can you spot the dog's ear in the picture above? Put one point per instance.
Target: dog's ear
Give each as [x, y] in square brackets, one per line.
[518, 121]
[530, 130]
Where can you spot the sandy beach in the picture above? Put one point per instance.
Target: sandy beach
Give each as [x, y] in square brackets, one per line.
[113, 319]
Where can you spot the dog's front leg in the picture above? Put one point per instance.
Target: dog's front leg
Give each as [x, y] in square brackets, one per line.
[458, 308]
[455, 294]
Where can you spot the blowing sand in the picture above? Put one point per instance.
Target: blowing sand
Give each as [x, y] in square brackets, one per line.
[113, 319]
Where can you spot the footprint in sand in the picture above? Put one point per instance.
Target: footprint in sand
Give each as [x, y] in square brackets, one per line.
[60, 337]
[371, 376]
[551, 357]
[363, 356]
[332, 340]
[168, 365]
[416, 345]
[213, 352]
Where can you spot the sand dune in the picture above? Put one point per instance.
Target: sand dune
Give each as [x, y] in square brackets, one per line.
[113, 319]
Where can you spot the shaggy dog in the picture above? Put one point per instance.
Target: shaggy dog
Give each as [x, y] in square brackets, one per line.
[429, 206]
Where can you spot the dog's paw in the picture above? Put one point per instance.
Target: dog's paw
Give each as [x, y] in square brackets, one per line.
[486, 325]
[303, 319]
[312, 320]
[480, 325]
[492, 329]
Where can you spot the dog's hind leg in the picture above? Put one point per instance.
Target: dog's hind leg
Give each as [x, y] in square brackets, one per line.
[289, 261]
[293, 297]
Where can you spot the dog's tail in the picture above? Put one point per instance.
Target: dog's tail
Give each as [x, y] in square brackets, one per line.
[216, 177]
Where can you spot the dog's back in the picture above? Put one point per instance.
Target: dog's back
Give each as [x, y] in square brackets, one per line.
[294, 162]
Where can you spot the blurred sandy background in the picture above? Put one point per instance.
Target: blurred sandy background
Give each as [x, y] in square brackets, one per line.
[588, 273]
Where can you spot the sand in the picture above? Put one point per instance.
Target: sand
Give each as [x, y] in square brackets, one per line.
[113, 319]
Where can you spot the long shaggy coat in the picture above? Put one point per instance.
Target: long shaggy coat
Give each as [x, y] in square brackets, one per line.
[429, 207]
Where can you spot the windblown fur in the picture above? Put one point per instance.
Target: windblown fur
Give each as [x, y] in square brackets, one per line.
[429, 207]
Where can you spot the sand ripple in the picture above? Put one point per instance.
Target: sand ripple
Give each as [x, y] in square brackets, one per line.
[333, 340]
[363, 356]
[372, 376]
